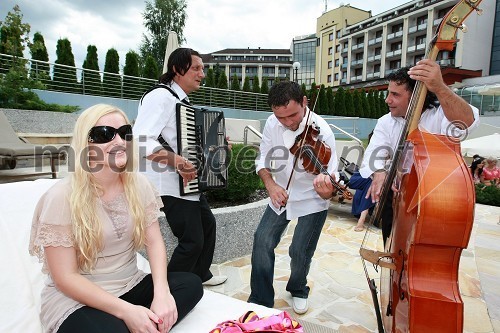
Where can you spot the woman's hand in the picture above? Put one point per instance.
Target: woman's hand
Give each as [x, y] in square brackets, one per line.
[166, 309]
[141, 320]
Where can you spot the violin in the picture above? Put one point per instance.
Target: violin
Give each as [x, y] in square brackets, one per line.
[315, 155]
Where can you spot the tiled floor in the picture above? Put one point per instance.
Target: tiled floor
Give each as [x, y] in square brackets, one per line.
[340, 298]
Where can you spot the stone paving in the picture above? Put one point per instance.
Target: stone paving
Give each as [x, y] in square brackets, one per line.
[340, 298]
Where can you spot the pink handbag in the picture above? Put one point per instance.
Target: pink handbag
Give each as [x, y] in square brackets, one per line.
[250, 322]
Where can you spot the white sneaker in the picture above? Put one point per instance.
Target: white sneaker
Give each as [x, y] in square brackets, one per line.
[215, 280]
[300, 305]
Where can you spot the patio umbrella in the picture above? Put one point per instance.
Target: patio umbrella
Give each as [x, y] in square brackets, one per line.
[172, 44]
[488, 145]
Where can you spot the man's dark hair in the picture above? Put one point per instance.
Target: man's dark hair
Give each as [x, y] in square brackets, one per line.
[401, 77]
[283, 92]
[180, 60]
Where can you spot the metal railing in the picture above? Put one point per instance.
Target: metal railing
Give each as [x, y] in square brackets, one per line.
[346, 133]
[68, 79]
[251, 129]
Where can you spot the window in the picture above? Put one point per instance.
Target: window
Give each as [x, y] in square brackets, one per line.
[339, 33]
[337, 48]
[268, 58]
[359, 56]
[329, 78]
[237, 58]
[336, 76]
[395, 64]
[422, 20]
[252, 58]
[330, 64]
[378, 34]
[336, 62]
[360, 40]
[378, 51]
[376, 68]
[396, 46]
[397, 28]
[420, 40]
[330, 36]
[330, 50]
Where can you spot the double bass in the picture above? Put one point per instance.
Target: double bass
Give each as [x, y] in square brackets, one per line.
[433, 217]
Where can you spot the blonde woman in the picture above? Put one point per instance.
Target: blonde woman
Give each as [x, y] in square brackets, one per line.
[86, 231]
[491, 173]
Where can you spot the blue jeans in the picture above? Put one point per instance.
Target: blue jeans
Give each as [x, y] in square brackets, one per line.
[266, 239]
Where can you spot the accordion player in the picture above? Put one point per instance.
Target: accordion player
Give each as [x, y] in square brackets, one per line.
[201, 139]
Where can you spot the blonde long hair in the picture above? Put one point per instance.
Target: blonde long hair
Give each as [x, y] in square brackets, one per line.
[86, 225]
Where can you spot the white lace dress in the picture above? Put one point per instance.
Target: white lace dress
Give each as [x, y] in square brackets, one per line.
[116, 269]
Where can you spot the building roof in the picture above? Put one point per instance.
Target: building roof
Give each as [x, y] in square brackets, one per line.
[253, 51]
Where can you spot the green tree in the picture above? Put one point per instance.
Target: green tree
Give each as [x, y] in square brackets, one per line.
[150, 71]
[376, 104]
[313, 94]
[217, 71]
[131, 81]
[382, 104]
[222, 81]
[365, 104]
[210, 78]
[111, 81]
[322, 107]
[371, 102]
[246, 84]
[64, 76]
[235, 83]
[349, 104]
[340, 102]
[14, 37]
[256, 84]
[40, 69]
[356, 101]
[161, 17]
[264, 88]
[91, 79]
[329, 98]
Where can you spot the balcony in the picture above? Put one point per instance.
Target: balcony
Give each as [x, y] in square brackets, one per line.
[356, 78]
[344, 50]
[357, 63]
[374, 41]
[437, 21]
[412, 30]
[373, 75]
[344, 66]
[422, 26]
[392, 54]
[395, 35]
[357, 46]
[374, 58]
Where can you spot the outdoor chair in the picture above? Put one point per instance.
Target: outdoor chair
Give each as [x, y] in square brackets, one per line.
[13, 148]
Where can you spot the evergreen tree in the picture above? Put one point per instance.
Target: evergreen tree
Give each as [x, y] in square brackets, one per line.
[222, 82]
[14, 37]
[91, 79]
[64, 77]
[150, 71]
[131, 81]
[111, 81]
[365, 104]
[329, 98]
[304, 89]
[256, 85]
[313, 94]
[40, 69]
[264, 88]
[371, 102]
[382, 104]
[246, 84]
[356, 101]
[340, 102]
[349, 104]
[376, 104]
[161, 17]
[210, 78]
[235, 83]
[322, 107]
[217, 71]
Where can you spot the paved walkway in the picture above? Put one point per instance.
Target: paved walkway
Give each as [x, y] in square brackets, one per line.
[340, 298]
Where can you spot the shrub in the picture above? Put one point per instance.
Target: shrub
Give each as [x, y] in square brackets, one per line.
[488, 195]
[242, 179]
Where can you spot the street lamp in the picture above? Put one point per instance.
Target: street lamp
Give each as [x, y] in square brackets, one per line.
[296, 66]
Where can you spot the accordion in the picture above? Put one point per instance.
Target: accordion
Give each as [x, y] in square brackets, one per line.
[201, 139]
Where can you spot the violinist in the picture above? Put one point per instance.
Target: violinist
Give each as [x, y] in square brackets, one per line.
[444, 113]
[307, 198]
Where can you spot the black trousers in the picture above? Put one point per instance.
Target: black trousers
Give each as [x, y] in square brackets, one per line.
[193, 223]
[186, 289]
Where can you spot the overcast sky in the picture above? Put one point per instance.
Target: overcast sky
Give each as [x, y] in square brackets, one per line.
[211, 25]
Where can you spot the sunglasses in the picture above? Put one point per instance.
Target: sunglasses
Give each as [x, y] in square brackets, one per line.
[105, 134]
